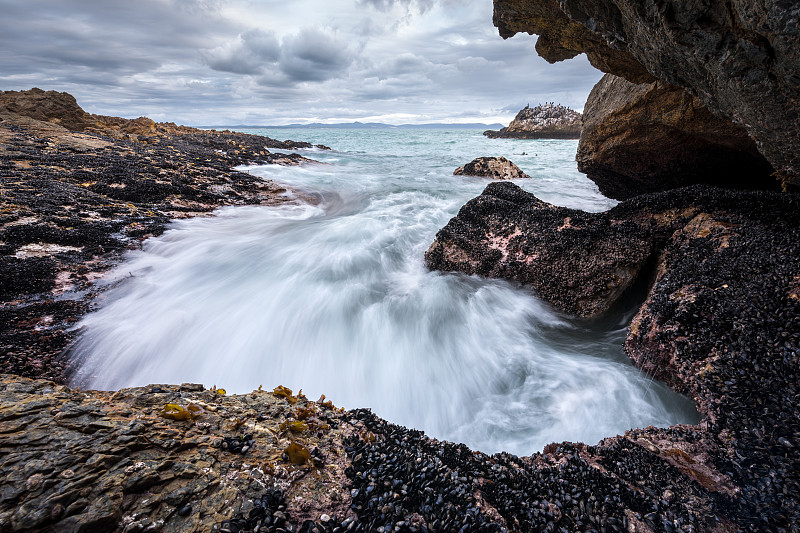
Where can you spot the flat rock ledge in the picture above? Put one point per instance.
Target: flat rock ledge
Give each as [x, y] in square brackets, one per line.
[498, 168]
[82, 460]
[721, 321]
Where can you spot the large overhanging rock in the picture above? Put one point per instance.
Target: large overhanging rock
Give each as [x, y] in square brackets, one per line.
[739, 57]
[640, 138]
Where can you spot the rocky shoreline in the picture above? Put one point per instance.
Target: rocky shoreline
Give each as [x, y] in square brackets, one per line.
[720, 320]
[73, 201]
[186, 458]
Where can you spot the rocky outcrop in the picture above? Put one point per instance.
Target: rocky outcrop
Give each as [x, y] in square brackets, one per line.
[73, 202]
[185, 458]
[509, 233]
[739, 58]
[498, 168]
[549, 121]
[640, 138]
[720, 322]
[166, 458]
[63, 110]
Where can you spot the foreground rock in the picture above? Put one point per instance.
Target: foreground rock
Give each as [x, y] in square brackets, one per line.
[549, 121]
[74, 201]
[271, 461]
[640, 138]
[498, 168]
[720, 323]
[740, 58]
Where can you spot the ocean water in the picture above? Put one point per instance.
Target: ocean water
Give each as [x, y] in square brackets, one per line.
[334, 298]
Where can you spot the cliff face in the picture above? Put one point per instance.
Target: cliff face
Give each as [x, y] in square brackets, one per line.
[549, 121]
[640, 138]
[738, 57]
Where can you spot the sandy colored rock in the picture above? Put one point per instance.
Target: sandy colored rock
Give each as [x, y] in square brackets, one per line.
[640, 138]
[89, 460]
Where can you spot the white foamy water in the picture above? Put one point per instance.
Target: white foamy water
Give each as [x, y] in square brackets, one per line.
[334, 298]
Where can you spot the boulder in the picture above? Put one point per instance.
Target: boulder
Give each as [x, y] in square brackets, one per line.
[739, 57]
[649, 137]
[46, 106]
[498, 168]
[581, 263]
[549, 121]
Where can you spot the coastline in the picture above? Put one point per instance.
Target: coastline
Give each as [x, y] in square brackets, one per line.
[74, 202]
[114, 462]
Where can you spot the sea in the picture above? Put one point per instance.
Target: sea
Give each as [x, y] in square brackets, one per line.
[330, 294]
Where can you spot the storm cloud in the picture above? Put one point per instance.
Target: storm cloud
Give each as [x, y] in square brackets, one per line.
[217, 62]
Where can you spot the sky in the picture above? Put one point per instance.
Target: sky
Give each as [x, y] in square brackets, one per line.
[227, 62]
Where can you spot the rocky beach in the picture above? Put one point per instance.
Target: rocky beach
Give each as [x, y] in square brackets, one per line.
[78, 190]
[713, 266]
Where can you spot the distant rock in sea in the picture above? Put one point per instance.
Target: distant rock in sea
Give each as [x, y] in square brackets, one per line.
[548, 121]
[498, 168]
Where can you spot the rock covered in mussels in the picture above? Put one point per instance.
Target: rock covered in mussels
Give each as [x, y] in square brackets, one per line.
[739, 57]
[548, 121]
[721, 321]
[640, 138]
[89, 460]
[579, 262]
[498, 168]
[79, 190]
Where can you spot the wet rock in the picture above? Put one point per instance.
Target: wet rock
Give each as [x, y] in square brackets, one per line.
[579, 262]
[740, 58]
[653, 137]
[79, 190]
[68, 478]
[498, 168]
[548, 121]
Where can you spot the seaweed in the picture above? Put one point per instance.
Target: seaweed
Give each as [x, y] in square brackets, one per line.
[297, 454]
[174, 411]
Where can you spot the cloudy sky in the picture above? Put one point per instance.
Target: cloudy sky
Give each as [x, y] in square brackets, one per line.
[218, 62]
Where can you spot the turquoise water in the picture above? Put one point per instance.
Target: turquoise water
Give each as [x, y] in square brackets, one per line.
[333, 297]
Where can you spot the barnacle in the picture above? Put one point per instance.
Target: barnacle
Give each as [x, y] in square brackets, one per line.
[174, 411]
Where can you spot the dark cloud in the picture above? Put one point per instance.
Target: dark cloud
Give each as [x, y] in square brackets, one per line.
[313, 55]
[217, 61]
[249, 54]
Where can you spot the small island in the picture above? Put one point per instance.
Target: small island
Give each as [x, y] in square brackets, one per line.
[548, 121]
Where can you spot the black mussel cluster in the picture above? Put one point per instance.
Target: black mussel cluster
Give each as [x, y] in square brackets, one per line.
[403, 481]
[238, 444]
[268, 515]
[747, 315]
[400, 484]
